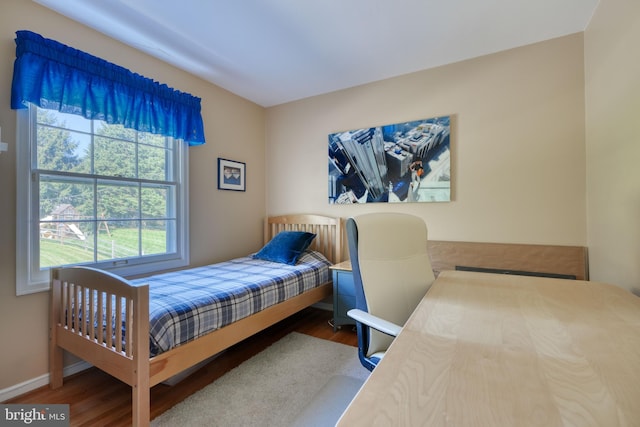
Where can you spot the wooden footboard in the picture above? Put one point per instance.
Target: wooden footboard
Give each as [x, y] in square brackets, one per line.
[80, 298]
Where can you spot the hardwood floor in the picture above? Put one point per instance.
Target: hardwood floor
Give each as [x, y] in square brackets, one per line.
[97, 399]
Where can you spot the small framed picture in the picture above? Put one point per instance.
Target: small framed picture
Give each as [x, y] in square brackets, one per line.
[231, 175]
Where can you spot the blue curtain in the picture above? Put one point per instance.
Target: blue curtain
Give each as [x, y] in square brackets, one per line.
[52, 75]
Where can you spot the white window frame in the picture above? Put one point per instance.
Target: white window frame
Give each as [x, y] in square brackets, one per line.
[30, 279]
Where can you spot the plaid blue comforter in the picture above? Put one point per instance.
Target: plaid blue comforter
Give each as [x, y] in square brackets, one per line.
[186, 304]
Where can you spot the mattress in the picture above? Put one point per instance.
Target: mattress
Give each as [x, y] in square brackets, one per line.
[187, 304]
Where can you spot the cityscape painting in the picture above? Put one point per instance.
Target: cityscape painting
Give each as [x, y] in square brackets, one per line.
[402, 162]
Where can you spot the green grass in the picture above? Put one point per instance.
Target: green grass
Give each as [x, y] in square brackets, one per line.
[122, 243]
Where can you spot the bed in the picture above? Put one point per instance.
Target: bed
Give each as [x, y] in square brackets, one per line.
[125, 346]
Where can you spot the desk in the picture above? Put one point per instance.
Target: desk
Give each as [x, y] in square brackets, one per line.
[499, 350]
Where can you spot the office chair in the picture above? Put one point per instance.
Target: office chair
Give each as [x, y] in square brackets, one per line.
[391, 273]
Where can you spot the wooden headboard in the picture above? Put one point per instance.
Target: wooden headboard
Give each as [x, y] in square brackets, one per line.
[328, 231]
[545, 259]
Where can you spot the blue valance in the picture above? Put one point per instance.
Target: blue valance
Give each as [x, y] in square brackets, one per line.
[52, 75]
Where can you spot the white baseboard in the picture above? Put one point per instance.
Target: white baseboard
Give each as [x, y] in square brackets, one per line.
[42, 380]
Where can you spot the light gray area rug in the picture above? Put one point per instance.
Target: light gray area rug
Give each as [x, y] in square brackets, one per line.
[272, 388]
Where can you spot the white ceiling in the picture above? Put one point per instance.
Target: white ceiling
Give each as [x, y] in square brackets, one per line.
[275, 51]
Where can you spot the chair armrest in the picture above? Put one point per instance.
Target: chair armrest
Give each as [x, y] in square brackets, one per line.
[374, 322]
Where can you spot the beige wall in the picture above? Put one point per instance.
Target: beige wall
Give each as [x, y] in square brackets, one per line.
[223, 223]
[612, 70]
[518, 154]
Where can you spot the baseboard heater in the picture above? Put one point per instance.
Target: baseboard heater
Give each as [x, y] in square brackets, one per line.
[515, 272]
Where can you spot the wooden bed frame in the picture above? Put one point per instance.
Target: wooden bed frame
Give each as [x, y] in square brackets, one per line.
[130, 362]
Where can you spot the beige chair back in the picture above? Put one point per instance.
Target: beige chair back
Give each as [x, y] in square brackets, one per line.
[395, 268]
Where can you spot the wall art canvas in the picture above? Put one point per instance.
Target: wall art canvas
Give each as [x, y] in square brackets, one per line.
[396, 163]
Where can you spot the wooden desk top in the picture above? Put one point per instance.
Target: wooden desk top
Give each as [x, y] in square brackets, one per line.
[499, 350]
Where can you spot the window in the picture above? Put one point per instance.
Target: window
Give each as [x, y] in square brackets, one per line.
[101, 164]
[97, 194]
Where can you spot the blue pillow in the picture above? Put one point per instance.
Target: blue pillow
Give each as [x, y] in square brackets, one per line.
[286, 247]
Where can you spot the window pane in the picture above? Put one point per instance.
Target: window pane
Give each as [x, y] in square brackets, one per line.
[114, 131]
[66, 226]
[114, 157]
[118, 239]
[61, 150]
[154, 237]
[117, 200]
[65, 243]
[151, 139]
[65, 198]
[152, 164]
[64, 120]
[156, 201]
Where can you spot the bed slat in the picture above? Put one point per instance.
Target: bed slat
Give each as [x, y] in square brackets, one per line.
[118, 323]
[92, 314]
[129, 327]
[101, 313]
[109, 334]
